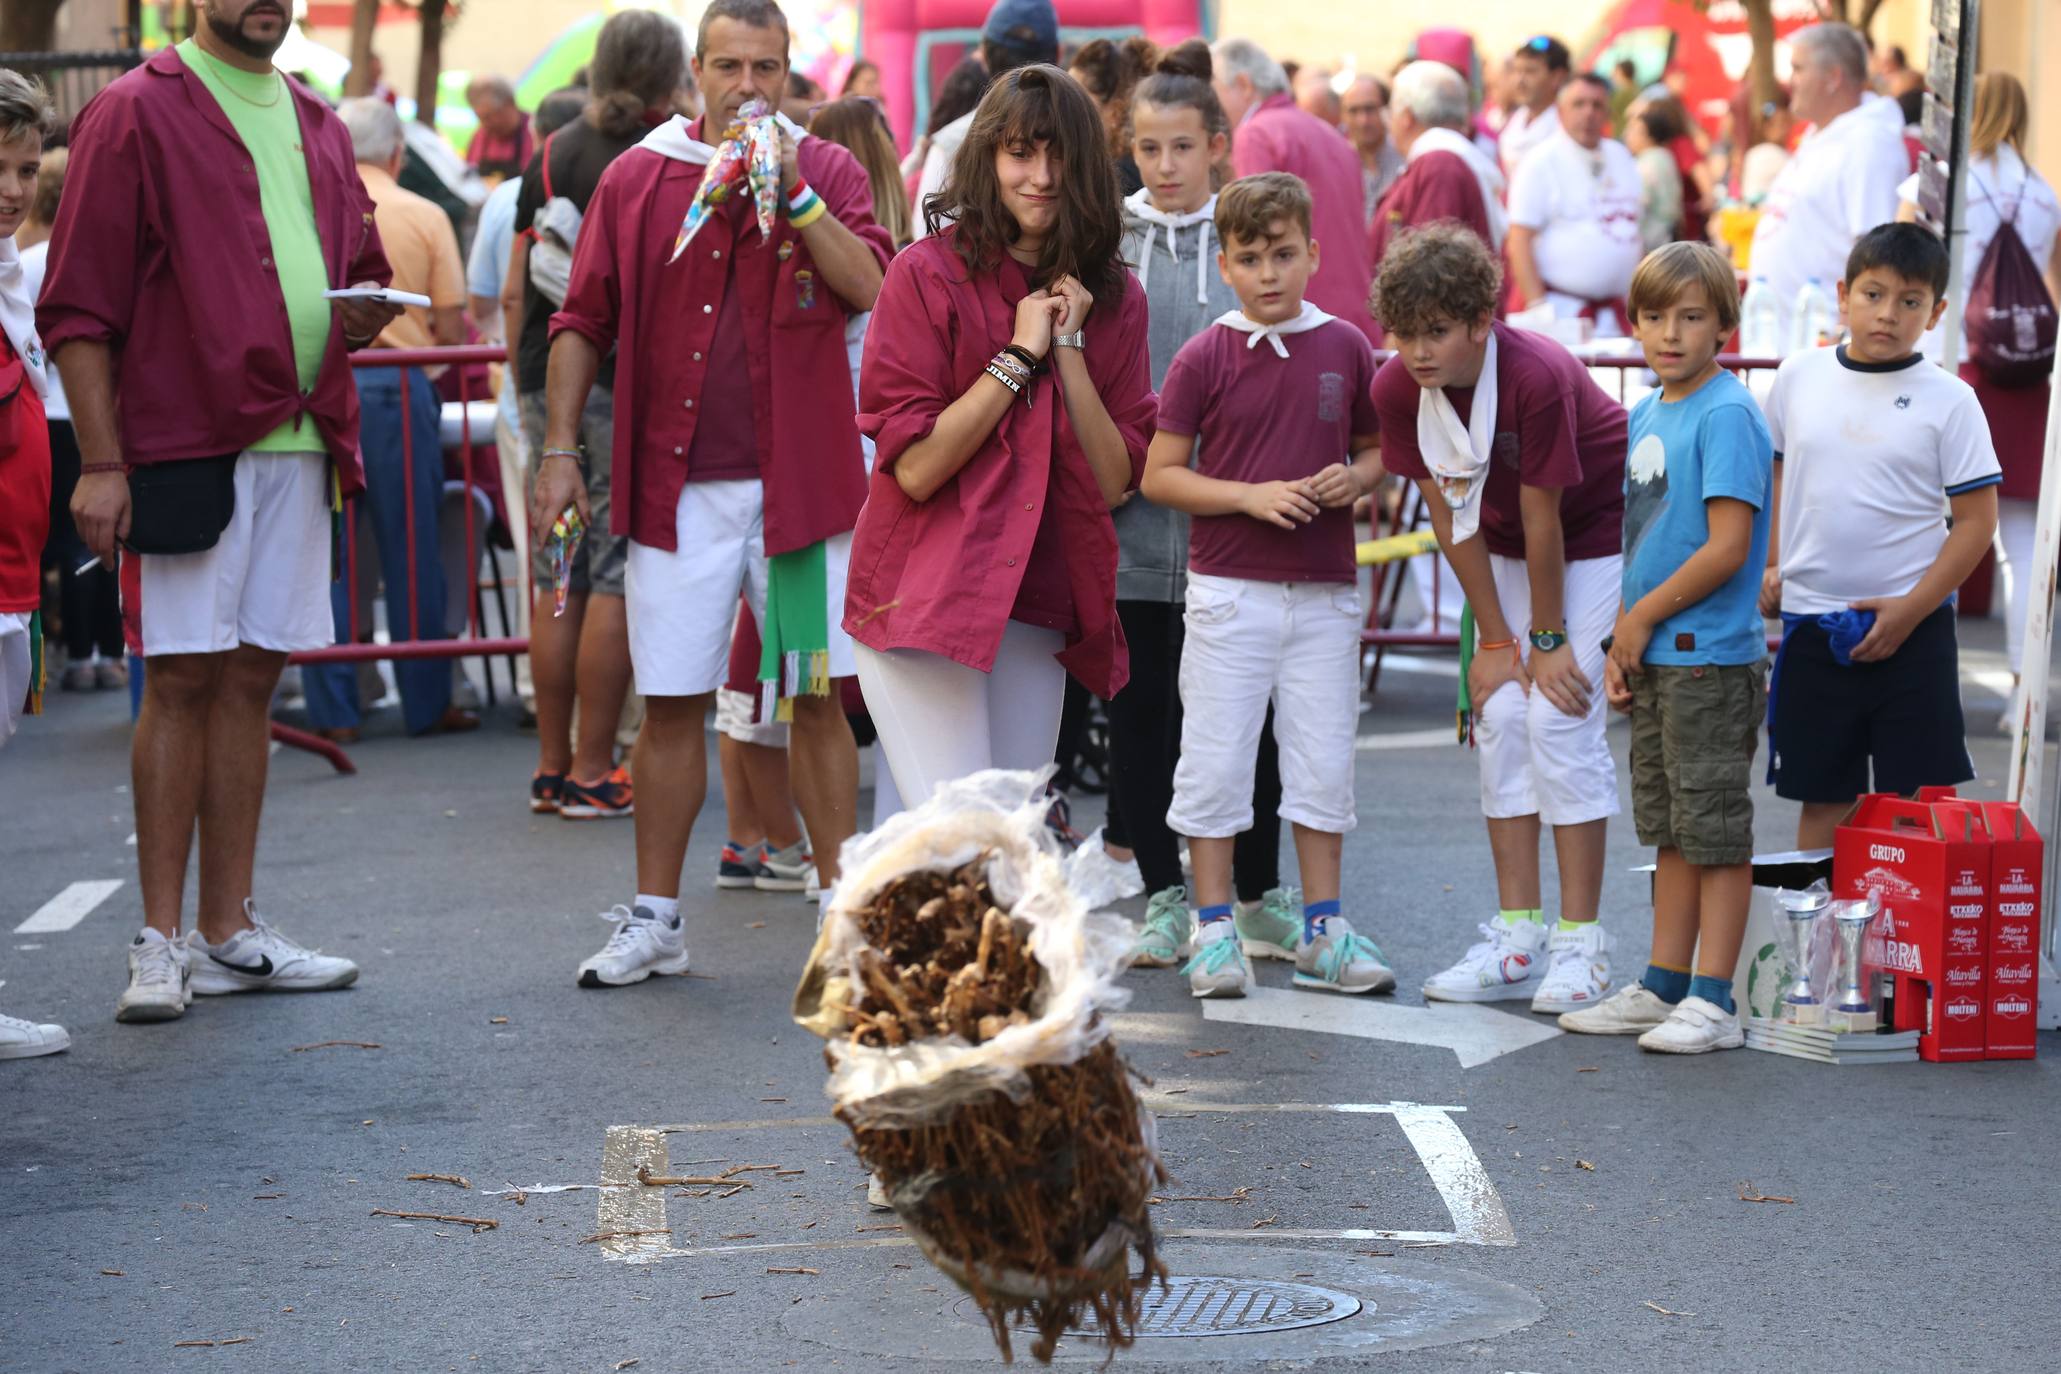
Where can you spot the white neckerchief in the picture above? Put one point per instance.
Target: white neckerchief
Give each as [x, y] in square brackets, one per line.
[1310, 318]
[1140, 204]
[18, 315]
[1486, 174]
[672, 140]
[1457, 455]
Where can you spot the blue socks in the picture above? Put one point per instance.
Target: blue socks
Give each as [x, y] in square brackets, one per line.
[1313, 915]
[1717, 991]
[1214, 913]
[1670, 985]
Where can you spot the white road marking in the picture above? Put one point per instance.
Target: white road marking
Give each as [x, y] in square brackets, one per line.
[69, 907]
[131, 841]
[273, 748]
[1438, 735]
[1475, 1034]
[1479, 1217]
[1996, 680]
[626, 1204]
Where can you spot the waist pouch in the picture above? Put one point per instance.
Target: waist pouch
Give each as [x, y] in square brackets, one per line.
[180, 507]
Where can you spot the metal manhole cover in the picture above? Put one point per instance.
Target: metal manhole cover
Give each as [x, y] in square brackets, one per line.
[1202, 1305]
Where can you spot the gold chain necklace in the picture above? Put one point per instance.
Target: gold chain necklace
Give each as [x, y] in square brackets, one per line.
[221, 75]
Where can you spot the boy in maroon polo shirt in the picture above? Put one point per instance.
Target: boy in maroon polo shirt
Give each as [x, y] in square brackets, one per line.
[1521, 459]
[1277, 393]
[736, 463]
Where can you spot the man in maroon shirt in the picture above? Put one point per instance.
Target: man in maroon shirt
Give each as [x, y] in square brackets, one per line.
[736, 462]
[1448, 177]
[502, 145]
[167, 381]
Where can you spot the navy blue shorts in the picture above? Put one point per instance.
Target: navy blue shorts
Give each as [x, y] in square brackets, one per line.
[1828, 722]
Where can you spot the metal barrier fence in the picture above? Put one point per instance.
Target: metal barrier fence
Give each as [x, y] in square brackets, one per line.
[1393, 547]
[72, 78]
[413, 644]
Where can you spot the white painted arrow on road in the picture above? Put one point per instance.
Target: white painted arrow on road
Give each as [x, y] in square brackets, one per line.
[1475, 1034]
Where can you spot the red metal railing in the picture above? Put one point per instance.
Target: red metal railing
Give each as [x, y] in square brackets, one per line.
[414, 645]
[1411, 514]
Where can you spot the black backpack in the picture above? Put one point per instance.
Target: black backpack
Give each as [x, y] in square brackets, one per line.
[2010, 319]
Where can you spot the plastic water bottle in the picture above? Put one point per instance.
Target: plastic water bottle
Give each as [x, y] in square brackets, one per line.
[1816, 322]
[1760, 321]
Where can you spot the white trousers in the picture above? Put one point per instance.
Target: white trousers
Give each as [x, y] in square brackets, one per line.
[15, 661]
[1248, 642]
[2017, 522]
[939, 720]
[1536, 759]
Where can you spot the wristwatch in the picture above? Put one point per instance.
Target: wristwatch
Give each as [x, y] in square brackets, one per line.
[1077, 339]
[1546, 641]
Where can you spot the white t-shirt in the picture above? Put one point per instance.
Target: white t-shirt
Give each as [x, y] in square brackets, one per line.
[937, 166]
[1583, 208]
[1868, 457]
[33, 262]
[1840, 184]
[1522, 132]
[2000, 187]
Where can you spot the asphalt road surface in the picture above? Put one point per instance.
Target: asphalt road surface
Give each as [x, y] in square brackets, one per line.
[1460, 1195]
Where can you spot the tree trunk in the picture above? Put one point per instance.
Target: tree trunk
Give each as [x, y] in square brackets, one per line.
[364, 18]
[29, 25]
[431, 65]
[1760, 70]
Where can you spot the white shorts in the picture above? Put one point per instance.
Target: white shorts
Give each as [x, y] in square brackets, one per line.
[1248, 642]
[682, 604]
[265, 583]
[1535, 759]
[734, 712]
[16, 661]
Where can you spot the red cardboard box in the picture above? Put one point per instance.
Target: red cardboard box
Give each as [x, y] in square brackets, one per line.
[1929, 863]
[2017, 868]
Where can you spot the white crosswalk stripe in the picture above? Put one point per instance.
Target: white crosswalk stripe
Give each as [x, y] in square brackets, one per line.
[69, 907]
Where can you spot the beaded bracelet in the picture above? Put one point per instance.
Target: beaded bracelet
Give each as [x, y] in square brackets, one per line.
[1010, 363]
[1026, 357]
[116, 466]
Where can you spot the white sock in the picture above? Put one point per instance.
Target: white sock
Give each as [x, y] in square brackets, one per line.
[666, 909]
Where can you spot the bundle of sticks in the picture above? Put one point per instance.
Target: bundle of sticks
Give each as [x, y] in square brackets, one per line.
[1033, 1204]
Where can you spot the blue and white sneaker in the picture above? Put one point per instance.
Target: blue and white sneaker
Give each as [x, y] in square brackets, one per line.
[1219, 968]
[785, 870]
[1504, 965]
[1339, 959]
[740, 865]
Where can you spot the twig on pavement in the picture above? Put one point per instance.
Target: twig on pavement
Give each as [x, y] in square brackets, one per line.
[458, 1179]
[477, 1224]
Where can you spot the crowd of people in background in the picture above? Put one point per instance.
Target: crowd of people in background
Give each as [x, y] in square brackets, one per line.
[1161, 247]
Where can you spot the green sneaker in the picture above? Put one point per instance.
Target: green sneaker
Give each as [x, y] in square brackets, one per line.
[1167, 929]
[1219, 968]
[1271, 927]
[1342, 960]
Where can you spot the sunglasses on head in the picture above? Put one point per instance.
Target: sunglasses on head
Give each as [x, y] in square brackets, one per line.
[1540, 44]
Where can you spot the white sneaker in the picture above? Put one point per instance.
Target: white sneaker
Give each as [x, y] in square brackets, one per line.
[1503, 966]
[261, 959]
[785, 870]
[1097, 879]
[160, 979]
[1631, 1010]
[876, 1194]
[21, 1039]
[1695, 1027]
[641, 946]
[812, 886]
[1219, 967]
[1577, 969]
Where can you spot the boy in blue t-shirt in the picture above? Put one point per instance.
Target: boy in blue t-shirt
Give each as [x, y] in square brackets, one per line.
[1687, 659]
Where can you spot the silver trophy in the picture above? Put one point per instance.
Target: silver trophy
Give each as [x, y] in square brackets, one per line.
[1853, 919]
[1800, 912]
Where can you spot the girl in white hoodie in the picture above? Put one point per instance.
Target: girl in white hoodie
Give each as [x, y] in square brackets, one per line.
[1179, 136]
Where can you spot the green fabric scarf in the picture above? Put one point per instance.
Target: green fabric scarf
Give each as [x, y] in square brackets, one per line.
[794, 658]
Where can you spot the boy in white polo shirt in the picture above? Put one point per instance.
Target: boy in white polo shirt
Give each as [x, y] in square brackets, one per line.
[1873, 445]
[1277, 393]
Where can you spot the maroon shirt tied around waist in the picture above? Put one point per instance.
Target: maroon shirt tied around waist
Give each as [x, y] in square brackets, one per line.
[162, 252]
[1024, 514]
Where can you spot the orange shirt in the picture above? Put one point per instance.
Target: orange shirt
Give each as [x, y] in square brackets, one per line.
[423, 251]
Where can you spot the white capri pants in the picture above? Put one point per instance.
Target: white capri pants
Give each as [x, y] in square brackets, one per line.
[1296, 643]
[940, 720]
[2017, 522]
[17, 656]
[1535, 759]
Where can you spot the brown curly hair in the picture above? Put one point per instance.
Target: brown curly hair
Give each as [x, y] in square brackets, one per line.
[1037, 104]
[1442, 271]
[1111, 71]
